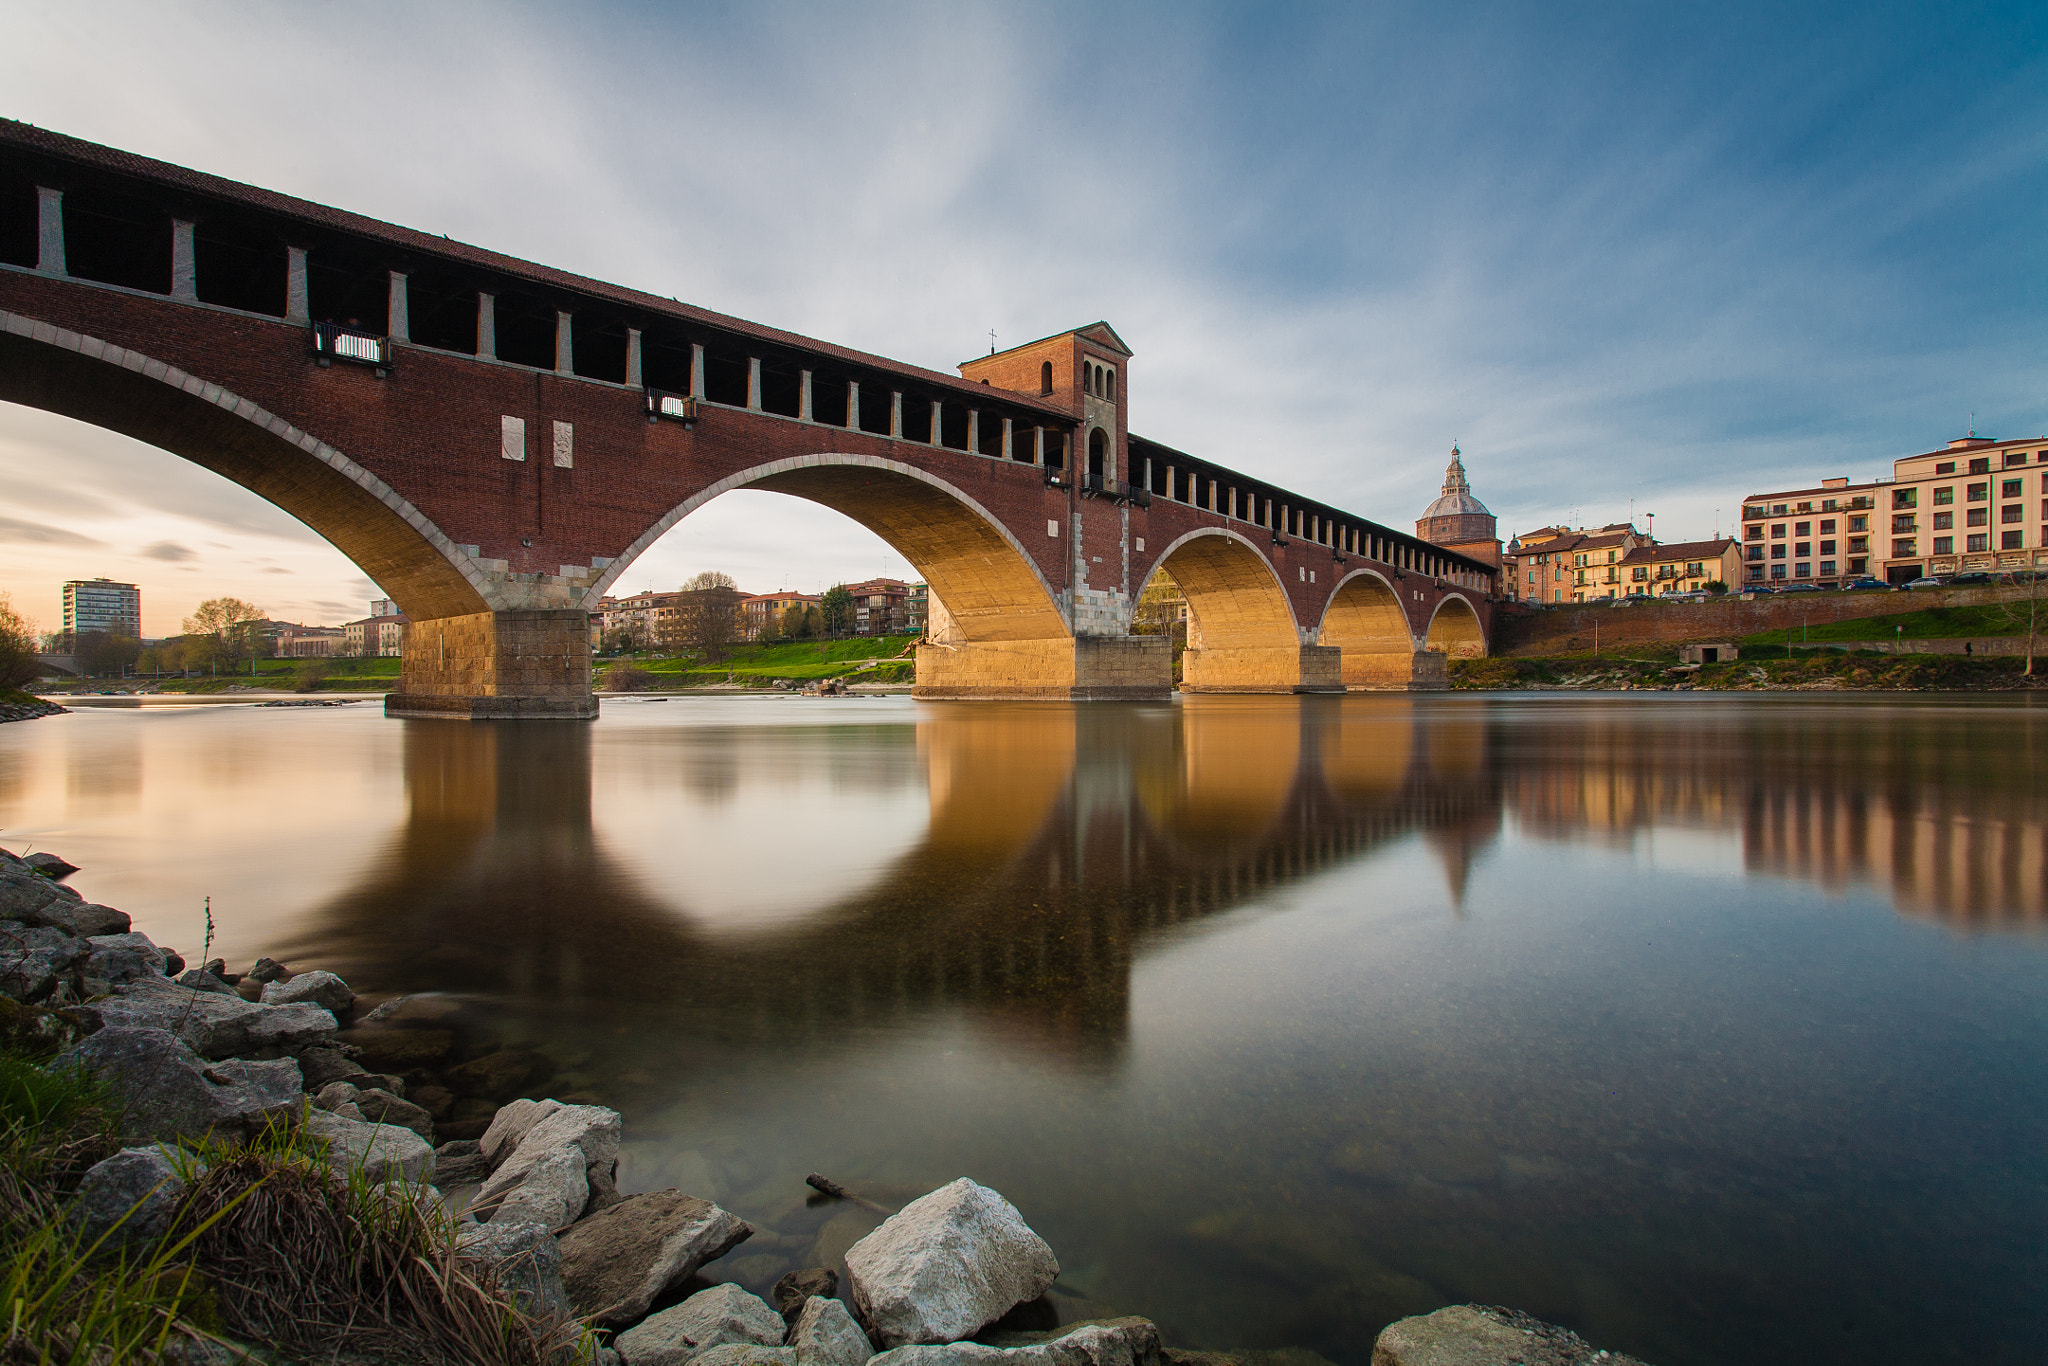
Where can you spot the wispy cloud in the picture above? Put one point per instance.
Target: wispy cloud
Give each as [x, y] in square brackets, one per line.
[36, 533]
[170, 552]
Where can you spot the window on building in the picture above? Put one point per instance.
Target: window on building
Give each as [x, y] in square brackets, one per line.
[1777, 552]
[1777, 509]
[1778, 532]
[1803, 529]
[1045, 378]
[2015, 458]
[1905, 498]
[2012, 540]
[1859, 545]
[1905, 523]
[1859, 524]
[1827, 505]
[1827, 528]
[1981, 466]
[1693, 570]
[1945, 494]
[1859, 566]
[1754, 533]
[2013, 512]
[1827, 547]
[1904, 550]
[1756, 571]
[1754, 512]
[1639, 574]
[1756, 552]
[1944, 545]
[1977, 517]
[1827, 569]
[1805, 548]
[1972, 544]
[1944, 520]
[1945, 467]
[1802, 570]
[1978, 493]
[1777, 571]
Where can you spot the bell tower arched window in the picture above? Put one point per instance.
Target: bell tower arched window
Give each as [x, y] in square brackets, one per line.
[1045, 378]
[1098, 454]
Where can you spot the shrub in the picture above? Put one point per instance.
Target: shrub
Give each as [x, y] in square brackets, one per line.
[626, 678]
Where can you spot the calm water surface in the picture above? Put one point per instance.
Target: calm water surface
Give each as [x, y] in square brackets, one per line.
[1716, 1028]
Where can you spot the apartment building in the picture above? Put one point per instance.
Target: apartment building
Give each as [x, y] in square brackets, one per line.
[103, 605]
[761, 615]
[881, 607]
[1975, 504]
[1653, 570]
[1556, 564]
[383, 634]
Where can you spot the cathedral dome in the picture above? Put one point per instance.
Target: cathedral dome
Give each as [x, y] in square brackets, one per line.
[1457, 500]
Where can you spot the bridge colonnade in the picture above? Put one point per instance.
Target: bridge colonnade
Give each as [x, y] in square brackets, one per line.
[494, 443]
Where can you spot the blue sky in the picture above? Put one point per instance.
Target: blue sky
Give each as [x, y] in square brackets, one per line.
[1633, 257]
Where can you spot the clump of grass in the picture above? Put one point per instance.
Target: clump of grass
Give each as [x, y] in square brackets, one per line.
[626, 678]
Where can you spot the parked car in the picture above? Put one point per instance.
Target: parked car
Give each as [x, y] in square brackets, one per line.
[1975, 576]
[1866, 585]
[1685, 597]
[1800, 588]
[1916, 585]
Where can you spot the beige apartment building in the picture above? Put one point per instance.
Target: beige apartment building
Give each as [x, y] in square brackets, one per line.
[1652, 570]
[1976, 504]
[1556, 564]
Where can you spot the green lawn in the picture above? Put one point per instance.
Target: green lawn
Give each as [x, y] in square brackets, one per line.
[799, 660]
[1932, 623]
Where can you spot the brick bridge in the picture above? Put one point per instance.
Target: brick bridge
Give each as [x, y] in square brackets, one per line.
[494, 442]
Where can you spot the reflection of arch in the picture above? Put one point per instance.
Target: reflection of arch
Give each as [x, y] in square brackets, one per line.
[1098, 453]
[1365, 756]
[1454, 628]
[1235, 601]
[980, 573]
[361, 516]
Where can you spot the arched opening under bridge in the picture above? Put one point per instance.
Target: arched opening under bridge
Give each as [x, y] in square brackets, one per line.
[1242, 635]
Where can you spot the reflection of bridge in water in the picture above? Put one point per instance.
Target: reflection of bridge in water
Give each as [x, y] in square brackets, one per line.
[1059, 839]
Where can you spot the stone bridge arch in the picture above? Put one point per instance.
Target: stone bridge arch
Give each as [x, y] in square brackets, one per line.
[125, 391]
[1454, 629]
[1242, 631]
[1364, 618]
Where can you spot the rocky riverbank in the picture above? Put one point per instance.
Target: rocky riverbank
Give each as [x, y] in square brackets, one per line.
[266, 1137]
[21, 706]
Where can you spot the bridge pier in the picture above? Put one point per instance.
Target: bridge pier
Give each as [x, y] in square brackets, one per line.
[1263, 669]
[1074, 669]
[1422, 671]
[496, 665]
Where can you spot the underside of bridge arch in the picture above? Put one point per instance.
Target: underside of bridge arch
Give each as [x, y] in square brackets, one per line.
[1364, 619]
[166, 409]
[1454, 630]
[1241, 631]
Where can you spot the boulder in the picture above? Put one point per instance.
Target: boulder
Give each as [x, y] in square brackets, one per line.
[510, 1123]
[1484, 1335]
[947, 1264]
[84, 919]
[500, 1075]
[51, 866]
[267, 970]
[217, 1026]
[746, 1354]
[33, 960]
[334, 1095]
[525, 1262]
[321, 989]
[460, 1163]
[710, 1318]
[796, 1289]
[117, 959]
[380, 1105]
[384, 1152]
[397, 1050]
[24, 891]
[590, 1129]
[35, 1031]
[164, 1090]
[201, 980]
[553, 1192]
[174, 962]
[322, 1064]
[127, 1200]
[1107, 1342]
[825, 1334]
[620, 1260]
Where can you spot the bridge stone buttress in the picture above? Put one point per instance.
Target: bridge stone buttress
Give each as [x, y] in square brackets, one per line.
[494, 443]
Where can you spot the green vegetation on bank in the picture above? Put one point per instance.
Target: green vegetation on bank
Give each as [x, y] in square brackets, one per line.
[802, 661]
[1932, 623]
[1817, 670]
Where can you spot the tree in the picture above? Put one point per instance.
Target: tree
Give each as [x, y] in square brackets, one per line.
[801, 621]
[710, 578]
[18, 663]
[2026, 611]
[1716, 587]
[99, 654]
[705, 620]
[836, 609]
[229, 625]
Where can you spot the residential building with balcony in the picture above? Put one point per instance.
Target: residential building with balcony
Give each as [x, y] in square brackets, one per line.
[881, 607]
[1653, 570]
[1558, 564]
[102, 605]
[761, 614]
[379, 635]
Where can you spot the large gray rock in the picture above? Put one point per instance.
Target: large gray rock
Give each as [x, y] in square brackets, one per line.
[384, 1152]
[81, 918]
[380, 1105]
[164, 1090]
[1483, 1335]
[23, 891]
[1108, 1342]
[322, 1064]
[117, 959]
[525, 1261]
[746, 1354]
[459, 1163]
[554, 1193]
[948, 1263]
[34, 959]
[825, 1334]
[201, 980]
[618, 1261]
[215, 1025]
[51, 866]
[591, 1130]
[321, 989]
[710, 1318]
[510, 1124]
[127, 1200]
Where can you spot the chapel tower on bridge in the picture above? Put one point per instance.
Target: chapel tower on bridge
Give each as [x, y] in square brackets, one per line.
[1458, 521]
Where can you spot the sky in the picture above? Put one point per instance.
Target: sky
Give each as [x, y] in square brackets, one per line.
[1633, 258]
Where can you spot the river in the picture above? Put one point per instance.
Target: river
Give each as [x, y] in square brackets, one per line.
[1715, 1027]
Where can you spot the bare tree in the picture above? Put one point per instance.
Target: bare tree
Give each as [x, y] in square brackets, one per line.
[18, 663]
[710, 578]
[229, 624]
[2011, 611]
[705, 620]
